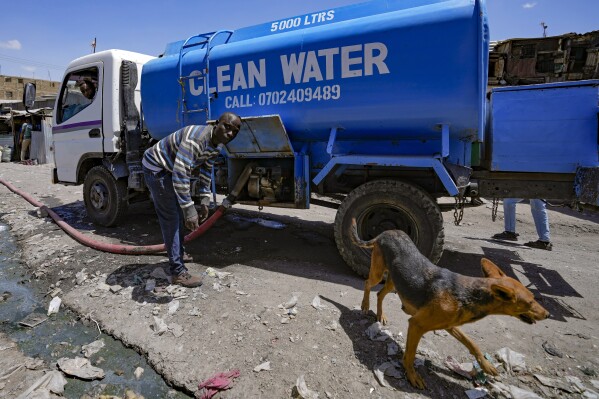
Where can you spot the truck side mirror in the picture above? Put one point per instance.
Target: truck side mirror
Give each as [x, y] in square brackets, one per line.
[29, 95]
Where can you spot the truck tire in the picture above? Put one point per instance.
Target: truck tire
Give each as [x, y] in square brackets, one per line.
[104, 196]
[384, 205]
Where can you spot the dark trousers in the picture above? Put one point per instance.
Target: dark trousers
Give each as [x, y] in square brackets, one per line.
[170, 216]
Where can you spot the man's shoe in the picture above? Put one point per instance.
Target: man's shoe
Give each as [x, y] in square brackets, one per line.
[187, 258]
[506, 235]
[188, 280]
[546, 245]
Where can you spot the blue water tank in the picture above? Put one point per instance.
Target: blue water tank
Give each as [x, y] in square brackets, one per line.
[383, 69]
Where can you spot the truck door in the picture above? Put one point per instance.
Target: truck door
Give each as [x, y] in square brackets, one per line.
[77, 130]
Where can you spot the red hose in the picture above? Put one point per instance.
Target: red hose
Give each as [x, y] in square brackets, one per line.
[114, 248]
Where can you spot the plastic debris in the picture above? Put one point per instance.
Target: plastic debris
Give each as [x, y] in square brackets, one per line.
[150, 284]
[54, 305]
[479, 375]
[160, 274]
[376, 333]
[160, 326]
[513, 361]
[379, 373]
[93, 348]
[290, 303]
[262, 367]
[216, 383]
[51, 382]
[33, 319]
[463, 369]
[316, 304]
[138, 372]
[302, 389]
[576, 383]
[172, 307]
[392, 348]
[477, 393]
[511, 391]
[551, 349]
[220, 275]
[81, 368]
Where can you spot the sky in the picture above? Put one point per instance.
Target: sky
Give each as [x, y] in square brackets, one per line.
[38, 39]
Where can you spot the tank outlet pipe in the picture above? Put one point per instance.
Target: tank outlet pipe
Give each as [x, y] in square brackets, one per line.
[134, 249]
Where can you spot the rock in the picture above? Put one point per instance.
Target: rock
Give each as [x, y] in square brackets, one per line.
[138, 372]
[93, 348]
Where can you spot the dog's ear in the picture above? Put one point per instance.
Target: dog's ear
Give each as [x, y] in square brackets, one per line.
[504, 293]
[490, 269]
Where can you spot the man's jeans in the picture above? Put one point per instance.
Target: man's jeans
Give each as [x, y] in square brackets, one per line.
[170, 216]
[539, 214]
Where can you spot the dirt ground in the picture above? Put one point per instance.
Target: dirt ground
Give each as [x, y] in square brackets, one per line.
[235, 321]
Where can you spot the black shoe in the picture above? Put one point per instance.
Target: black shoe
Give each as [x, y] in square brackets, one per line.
[188, 280]
[546, 245]
[506, 235]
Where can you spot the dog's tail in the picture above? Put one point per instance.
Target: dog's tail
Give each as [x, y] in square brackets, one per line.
[356, 238]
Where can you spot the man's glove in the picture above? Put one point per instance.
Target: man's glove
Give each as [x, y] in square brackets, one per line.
[192, 223]
[203, 214]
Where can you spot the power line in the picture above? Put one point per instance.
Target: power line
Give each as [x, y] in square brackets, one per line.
[24, 61]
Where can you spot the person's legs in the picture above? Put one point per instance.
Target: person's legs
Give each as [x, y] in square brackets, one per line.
[24, 147]
[169, 216]
[538, 209]
[509, 214]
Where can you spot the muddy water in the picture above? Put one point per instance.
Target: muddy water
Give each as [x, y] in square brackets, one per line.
[63, 335]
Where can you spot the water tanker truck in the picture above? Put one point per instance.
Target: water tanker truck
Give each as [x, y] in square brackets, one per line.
[381, 107]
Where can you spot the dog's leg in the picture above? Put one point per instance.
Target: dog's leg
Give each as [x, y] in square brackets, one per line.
[415, 332]
[375, 276]
[380, 296]
[474, 350]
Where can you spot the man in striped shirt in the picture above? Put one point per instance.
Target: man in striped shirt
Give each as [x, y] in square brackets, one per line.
[168, 166]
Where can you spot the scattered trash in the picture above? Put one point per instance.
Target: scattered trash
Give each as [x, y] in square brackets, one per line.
[476, 393]
[172, 307]
[392, 348]
[511, 391]
[553, 383]
[220, 275]
[302, 389]
[160, 274]
[216, 383]
[316, 304]
[93, 348]
[150, 284]
[551, 349]
[376, 333]
[576, 383]
[41, 212]
[290, 303]
[463, 369]
[218, 287]
[33, 320]
[480, 377]
[262, 367]
[138, 372]
[54, 305]
[595, 384]
[81, 368]
[159, 326]
[513, 361]
[51, 382]
[379, 373]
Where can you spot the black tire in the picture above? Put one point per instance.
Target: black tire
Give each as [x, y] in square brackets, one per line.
[384, 205]
[104, 196]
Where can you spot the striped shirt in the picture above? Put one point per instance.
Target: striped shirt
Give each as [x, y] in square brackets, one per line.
[181, 153]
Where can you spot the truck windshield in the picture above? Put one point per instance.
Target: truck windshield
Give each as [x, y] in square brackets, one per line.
[78, 91]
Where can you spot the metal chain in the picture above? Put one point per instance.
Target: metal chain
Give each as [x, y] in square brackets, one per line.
[458, 209]
[494, 209]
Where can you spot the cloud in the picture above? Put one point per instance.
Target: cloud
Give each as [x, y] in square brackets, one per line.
[11, 45]
[529, 5]
[30, 68]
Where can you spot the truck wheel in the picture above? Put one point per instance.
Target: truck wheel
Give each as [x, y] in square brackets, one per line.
[388, 205]
[104, 196]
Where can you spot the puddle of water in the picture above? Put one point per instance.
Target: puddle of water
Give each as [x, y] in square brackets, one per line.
[62, 335]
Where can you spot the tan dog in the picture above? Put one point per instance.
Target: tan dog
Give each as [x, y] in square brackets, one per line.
[438, 299]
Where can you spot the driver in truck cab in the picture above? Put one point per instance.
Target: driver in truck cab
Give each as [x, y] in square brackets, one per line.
[88, 89]
[167, 167]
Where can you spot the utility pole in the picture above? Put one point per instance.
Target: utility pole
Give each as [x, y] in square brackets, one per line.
[93, 44]
[544, 29]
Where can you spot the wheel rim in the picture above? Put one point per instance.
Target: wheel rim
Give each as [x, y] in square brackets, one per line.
[98, 196]
[378, 218]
